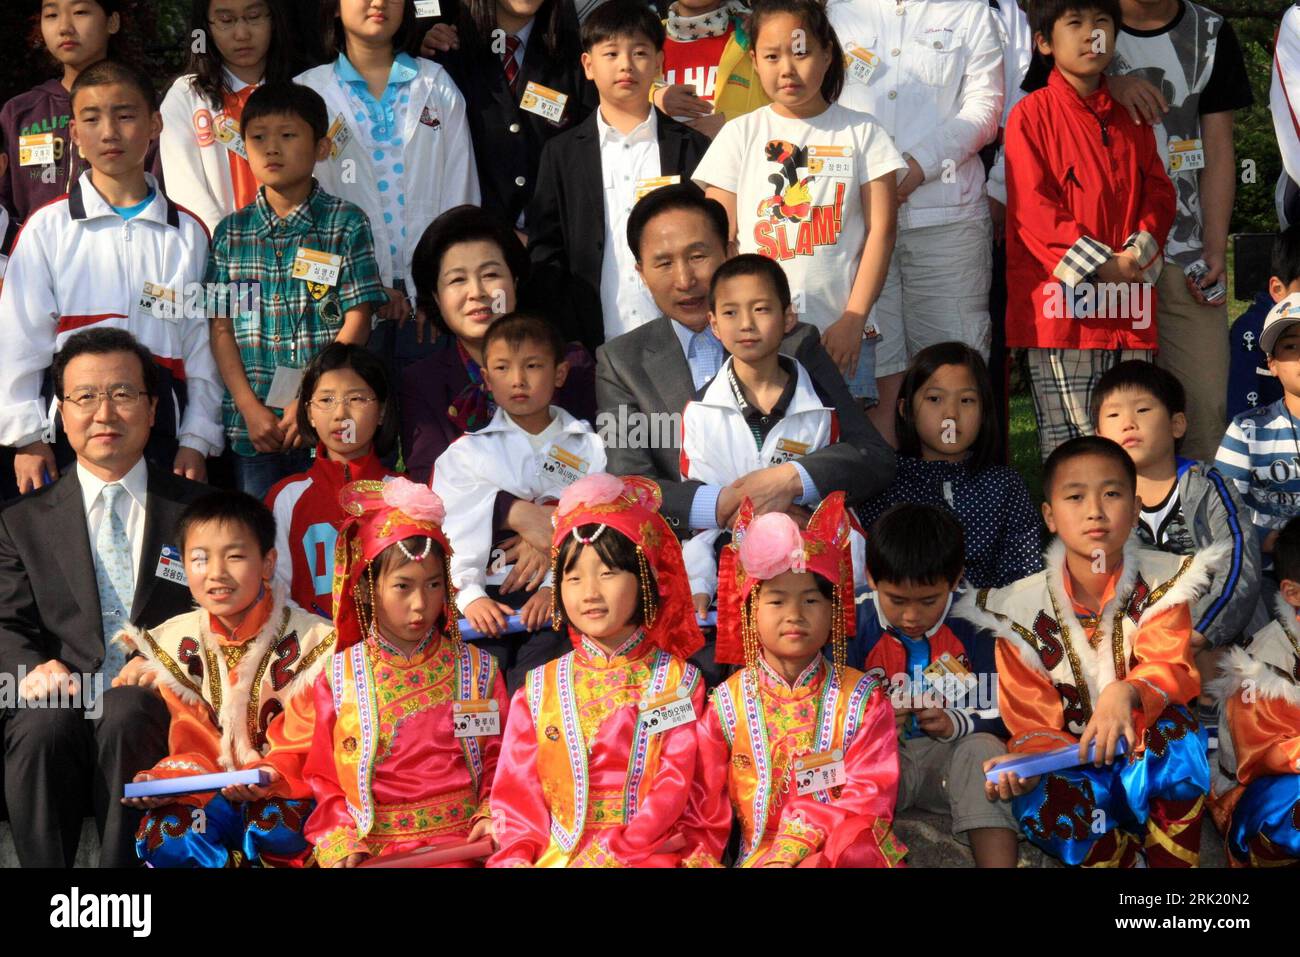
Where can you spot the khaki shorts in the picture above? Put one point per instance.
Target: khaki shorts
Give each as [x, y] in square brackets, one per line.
[948, 778]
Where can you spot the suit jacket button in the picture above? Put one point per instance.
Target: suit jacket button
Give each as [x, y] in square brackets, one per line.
[519, 181]
[514, 127]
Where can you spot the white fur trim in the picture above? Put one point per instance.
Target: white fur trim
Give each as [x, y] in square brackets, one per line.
[967, 607]
[1239, 671]
[131, 638]
[1193, 581]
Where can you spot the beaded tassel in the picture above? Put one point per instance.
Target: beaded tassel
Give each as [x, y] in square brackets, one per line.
[649, 600]
[839, 640]
[749, 630]
[557, 613]
[452, 612]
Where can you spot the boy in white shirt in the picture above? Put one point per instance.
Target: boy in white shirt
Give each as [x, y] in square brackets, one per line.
[531, 450]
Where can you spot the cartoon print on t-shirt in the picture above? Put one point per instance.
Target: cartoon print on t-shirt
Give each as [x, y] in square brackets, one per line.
[790, 205]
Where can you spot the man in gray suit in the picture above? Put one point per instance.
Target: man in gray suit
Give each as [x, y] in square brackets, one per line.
[645, 378]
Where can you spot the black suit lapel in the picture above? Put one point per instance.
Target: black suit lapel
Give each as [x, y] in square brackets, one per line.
[671, 143]
[160, 519]
[589, 183]
[672, 375]
[70, 541]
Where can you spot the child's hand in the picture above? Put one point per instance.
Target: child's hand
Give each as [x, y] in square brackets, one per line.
[710, 125]
[352, 860]
[914, 178]
[134, 673]
[843, 341]
[680, 100]
[34, 467]
[900, 719]
[440, 38]
[536, 613]
[935, 722]
[487, 616]
[264, 428]
[397, 306]
[252, 792]
[289, 426]
[1143, 99]
[1119, 268]
[1009, 784]
[701, 601]
[1112, 718]
[190, 464]
[482, 828]
[528, 565]
[146, 803]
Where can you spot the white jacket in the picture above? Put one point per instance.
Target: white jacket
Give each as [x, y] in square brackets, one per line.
[77, 263]
[937, 88]
[1284, 96]
[195, 163]
[438, 156]
[1017, 52]
[718, 448]
[499, 458]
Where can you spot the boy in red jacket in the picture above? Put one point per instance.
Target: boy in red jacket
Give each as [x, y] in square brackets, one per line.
[1089, 207]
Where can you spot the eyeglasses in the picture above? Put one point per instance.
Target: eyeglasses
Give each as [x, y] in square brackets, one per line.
[119, 396]
[226, 22]
[328, 403]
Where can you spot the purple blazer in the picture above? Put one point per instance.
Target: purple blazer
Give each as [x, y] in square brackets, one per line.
[431, 385]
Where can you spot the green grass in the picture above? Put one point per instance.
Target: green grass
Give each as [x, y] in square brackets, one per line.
[1024, 443]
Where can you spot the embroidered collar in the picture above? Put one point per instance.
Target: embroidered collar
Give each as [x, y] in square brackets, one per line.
[254, 621]
[390, 654]
[806, 683]
[715, 23]
[596, 655]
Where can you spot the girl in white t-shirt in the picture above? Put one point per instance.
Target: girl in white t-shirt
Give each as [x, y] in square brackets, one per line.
[809, 183]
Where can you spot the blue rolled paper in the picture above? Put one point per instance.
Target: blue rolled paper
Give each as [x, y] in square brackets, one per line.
[514, 626]
[196, 783]
[1059, 759]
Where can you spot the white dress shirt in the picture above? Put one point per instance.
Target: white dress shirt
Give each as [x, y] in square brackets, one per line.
[624, 161]
[131, 507]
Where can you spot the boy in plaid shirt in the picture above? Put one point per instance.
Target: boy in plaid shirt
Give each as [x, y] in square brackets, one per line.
[312, 258]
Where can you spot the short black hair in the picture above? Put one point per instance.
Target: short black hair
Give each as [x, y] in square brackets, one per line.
[1139, 374]
[344, 355]
[108, 72]
[916, 544]
[1286, 255]
[984, 450]
[229, 507]
[287, 99]
[102, 342]
[614, 548]
[1043, 14]
[1286, 552]
[812, 14]
[622, 19]
[752, 264]
[405, 40]
[667, 199]
[461, 224]
[519, 327]
[1083, 445]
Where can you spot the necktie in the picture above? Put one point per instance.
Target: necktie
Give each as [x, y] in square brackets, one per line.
[113, 577]
[508, 61]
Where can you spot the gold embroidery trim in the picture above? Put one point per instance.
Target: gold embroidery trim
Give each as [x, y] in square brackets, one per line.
[254, 693]
[1080, 682]
[170, 663]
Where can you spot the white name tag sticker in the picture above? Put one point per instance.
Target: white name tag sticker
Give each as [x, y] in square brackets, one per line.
[833, 161]
[475, 719]
[1186, 155]
[787, 450]
[317, 267]
[668, 711]
[563, 466]
[427, 8]
[340, 135]
[819, 772]
[284, 387]
[649, 185]
[170, 566]
[160, 302]
[861, 64]
[543, 101]
[226, 129]
[36, 149]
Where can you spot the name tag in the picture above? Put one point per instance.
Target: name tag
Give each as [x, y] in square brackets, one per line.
[340, 135]
[543, 101]
[652, 183]
[668, 711]
[227, 133]
[819, 772]
[861, 64]
[36, 149]
[787, 450]
[427, 8]
[284, 387]
[949, 677]
[1186, 155]
[832, 161]
[170, 566]
[563, 466]
[316, 267]
[475, 719]
[160, 302]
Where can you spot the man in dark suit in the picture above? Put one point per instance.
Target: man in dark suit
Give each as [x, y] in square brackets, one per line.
[589, 177]
[645, 378]
[79, 559]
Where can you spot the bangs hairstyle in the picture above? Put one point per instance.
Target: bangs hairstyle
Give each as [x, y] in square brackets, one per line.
[230, 508]
[519, 327]
[405, 40]
[1286, 255]
[461, 224]
[103, 342]
[615, 549]
[667, 199]
[816, 24]
[207, 66]
[1286, 552]
[343, 355]
[1138, 374]
[478, 20]
[123, 45]
[752, 264]
[622, 20]
[1043, 14]
[287, 99]
[984, 450]
[912, 544]
[109, 72]
[1083, 445]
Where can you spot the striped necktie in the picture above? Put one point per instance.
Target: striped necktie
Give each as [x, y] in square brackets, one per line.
[509, 63]
[113, 577]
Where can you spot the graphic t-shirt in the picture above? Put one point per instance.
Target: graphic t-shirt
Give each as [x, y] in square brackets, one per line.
[1163, 526]
[798, 196]
[695, 62]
